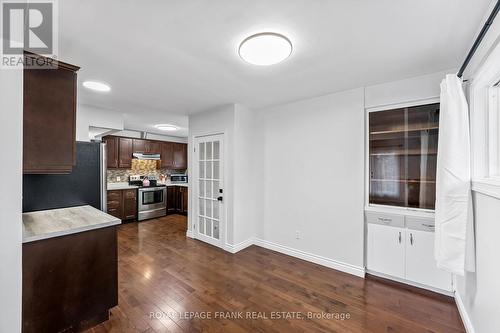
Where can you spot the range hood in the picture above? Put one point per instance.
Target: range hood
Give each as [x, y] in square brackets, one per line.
[145, 156]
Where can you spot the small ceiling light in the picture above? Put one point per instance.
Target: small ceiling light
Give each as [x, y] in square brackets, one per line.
[264, 49]
[97, 86]
[166, 127]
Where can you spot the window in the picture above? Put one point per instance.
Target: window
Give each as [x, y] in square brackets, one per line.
[484, 104]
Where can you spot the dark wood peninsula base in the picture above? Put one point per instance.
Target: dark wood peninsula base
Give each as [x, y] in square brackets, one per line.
[70, 282]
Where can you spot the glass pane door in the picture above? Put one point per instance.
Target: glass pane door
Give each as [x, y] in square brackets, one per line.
[403, 156]
[209, 151]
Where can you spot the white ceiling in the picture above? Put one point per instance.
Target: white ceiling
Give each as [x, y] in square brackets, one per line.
[166, 59]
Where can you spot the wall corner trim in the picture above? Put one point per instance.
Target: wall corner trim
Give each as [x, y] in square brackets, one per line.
[189, 234]
[463, 313]
[240, 246]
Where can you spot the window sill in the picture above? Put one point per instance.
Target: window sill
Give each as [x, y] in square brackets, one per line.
[487, 186]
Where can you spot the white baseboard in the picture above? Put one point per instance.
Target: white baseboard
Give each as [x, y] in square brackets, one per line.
[189, 234]
[463, 313]
[330, 263]
[240, 246]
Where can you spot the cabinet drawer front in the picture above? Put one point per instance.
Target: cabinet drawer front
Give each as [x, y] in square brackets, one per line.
[115, 212]
[113, 204]
[129, 194]
[114, 195]
[420, 223]
[385, 219]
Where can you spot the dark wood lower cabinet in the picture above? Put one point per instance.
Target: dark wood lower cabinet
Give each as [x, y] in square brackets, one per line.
[69, 282]
[172, 199]
[177, 199]
[115, 203]
[123, 204]
[129, 204]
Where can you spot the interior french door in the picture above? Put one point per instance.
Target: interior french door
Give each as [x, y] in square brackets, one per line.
[209, 222]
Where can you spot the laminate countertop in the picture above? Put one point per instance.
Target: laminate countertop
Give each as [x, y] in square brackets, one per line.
[64, 221]
[121, 186]
[126, 186]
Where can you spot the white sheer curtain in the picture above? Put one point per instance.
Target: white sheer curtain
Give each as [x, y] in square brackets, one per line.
[454, 243]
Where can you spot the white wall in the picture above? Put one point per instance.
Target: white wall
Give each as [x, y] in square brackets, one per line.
[87, 116]
[414, 89]
[314, 177]
[11, 118]
[248, 188]
[480, 291]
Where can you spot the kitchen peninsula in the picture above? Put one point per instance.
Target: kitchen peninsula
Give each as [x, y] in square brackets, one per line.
[70, 267]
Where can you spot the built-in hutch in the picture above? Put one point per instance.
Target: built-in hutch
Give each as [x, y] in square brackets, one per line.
[401, 184]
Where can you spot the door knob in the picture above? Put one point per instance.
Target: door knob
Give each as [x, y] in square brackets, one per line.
[220, 199]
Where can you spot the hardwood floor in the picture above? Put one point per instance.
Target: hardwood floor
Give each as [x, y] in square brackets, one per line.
[168, 283]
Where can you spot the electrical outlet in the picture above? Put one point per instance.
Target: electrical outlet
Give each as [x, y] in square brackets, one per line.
[297, 234]
[118, 178]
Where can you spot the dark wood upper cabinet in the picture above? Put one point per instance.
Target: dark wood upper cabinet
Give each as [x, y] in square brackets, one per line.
[111, 151]
[153, 147]
[167, 155]
[49, 118]
[125, 153]
[139, 146]
[120, 152]
[180, 156]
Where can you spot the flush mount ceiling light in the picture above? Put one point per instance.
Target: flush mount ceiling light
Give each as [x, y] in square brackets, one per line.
[264, 49]
[166, 127]
[97, 86]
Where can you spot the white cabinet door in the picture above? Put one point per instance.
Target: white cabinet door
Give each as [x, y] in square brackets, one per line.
[420, 264]
[386, 250]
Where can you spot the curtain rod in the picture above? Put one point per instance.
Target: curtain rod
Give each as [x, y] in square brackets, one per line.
[479, 38]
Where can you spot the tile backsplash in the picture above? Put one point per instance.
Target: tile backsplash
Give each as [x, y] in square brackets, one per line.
[113, 174]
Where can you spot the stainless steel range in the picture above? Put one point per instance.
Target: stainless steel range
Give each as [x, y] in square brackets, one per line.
[152, 199]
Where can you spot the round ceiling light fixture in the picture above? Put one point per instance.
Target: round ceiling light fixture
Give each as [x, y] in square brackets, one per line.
[264, 49]
[167, 127]
[97, 86]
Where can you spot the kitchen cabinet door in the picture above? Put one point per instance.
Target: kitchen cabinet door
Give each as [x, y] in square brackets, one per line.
[172, 199]
[111, 151]
[139, 146]
[180, 156]
[129, 204]
[420, 264]
[49, 119]
[386, 250]
[125, 153]
[153, 147]
[184, 199]
[167, 155]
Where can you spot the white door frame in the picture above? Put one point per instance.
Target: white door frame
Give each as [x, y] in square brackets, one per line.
[195, 186]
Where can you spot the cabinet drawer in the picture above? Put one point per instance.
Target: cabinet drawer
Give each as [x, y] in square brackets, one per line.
[129, 194]
[114, 195]
[115, 212]
[113, 204]
[420, 223]
[392, 220]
